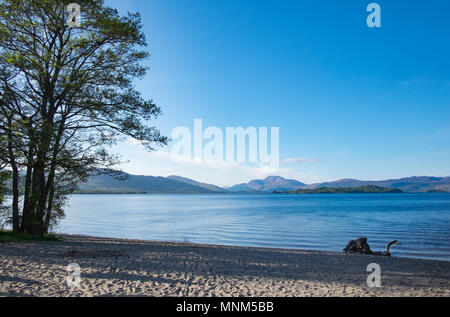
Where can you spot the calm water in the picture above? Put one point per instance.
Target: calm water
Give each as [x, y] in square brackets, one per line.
[421, 222]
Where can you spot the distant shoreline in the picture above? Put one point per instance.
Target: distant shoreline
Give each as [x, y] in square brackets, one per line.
[177, 184]
[254, 193]
[368, 189]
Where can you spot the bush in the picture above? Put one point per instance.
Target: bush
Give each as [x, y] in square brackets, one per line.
[9, 236]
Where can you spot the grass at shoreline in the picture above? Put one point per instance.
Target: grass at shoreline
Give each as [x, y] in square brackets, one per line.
[9, 236]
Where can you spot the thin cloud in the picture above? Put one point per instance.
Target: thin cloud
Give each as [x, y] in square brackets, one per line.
[134, 141]
[301, 160]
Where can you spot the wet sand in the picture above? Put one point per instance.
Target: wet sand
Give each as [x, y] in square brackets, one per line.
[117, 267]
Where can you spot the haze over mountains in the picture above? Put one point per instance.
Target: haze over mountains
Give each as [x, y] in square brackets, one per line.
[269, 184]
[180, 185]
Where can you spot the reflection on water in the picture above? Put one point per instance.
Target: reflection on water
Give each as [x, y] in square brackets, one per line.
[421, 222]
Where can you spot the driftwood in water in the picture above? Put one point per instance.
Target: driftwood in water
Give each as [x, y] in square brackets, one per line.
[361, 246]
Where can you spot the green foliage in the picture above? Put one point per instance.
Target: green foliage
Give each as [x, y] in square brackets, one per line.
[67, 96]
[4, 214]
[9, 236]
[437, 191]
[348, 190]
[4, 175]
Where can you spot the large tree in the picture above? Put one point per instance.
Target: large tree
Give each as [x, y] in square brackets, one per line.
[3, 209]
[66, 96]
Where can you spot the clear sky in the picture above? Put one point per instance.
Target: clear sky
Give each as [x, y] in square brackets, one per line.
[350, 101]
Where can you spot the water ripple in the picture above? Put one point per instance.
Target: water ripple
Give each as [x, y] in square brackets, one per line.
[323, 222]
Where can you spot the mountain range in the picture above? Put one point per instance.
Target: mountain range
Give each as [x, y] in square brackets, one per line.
[420, 184]
[139, 184]
[407, 184]
[270, 184]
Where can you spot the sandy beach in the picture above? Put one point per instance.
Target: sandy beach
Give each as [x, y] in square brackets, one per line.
[115, 267]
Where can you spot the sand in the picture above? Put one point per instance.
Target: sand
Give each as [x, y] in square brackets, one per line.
[113, 267]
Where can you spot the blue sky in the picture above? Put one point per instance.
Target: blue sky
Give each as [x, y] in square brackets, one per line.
[357, 102]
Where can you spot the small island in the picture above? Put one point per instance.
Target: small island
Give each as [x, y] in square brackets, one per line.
[437, 191]
[344, 190]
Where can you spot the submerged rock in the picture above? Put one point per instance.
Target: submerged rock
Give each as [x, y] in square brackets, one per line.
[358, 246]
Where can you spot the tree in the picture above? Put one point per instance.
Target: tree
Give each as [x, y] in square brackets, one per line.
[3, 178]
[4, 175]
[66, 96]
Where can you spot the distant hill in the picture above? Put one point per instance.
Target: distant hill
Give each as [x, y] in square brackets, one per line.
[417, 184]
[437, 191]
[136, 184]
[420, 184]
[213, 188]
[347, 190]
[270, 184]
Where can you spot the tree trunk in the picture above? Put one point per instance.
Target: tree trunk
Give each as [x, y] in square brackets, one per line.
[39, 193]
[15, 181]
[27, 190]
[48, 215]
[34, 224]
[50, 188]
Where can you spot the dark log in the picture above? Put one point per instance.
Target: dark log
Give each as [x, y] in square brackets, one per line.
[361, 246]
